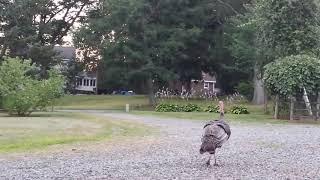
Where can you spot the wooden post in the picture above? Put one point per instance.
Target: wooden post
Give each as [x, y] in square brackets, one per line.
[127, 108]
[291, 107]
[276, 108]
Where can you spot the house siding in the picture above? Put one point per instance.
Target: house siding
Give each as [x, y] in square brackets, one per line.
[197, 86]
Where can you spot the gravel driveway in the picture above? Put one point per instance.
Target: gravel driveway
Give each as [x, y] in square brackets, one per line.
[254, 151]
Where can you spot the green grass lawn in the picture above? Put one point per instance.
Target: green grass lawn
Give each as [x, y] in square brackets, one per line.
[101, 102]
[140, 106]
[255, 117]
[116, 102]
[42, 130]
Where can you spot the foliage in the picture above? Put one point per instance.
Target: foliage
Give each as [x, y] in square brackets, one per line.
[246, 89]
[32, 28]
[178, 108]
[168, 108]
[212, 109]
[22, 93]
[71, 71]
[239, 109]
[49, 89]
[287, 27]
[241, 41]
[270, 30]
[289, 75]
[158, 40]
[192, 108]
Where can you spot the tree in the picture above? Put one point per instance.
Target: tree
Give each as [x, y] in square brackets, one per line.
[273, 29]
[291, 75]
[158, 40]
[241, 31]
[32, 27]
[287, 27]
[22, 93]
[70, 72]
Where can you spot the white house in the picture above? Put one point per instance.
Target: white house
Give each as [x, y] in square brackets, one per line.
[86, 82]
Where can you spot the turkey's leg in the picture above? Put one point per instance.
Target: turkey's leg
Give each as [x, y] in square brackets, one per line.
[215, 160]
[208, 162]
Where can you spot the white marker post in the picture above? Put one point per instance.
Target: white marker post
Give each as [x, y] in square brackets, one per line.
[127, 108]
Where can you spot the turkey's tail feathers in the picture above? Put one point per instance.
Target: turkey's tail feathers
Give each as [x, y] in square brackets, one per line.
[214, 137]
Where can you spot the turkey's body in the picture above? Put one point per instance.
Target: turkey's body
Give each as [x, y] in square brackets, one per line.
[216, 133]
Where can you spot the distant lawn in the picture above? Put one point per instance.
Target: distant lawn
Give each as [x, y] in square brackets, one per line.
[137, 102]
[233, 118]
[101, 102]
[43, 130]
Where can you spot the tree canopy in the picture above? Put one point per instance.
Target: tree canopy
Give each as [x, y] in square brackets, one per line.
[287, 27]
[159, 40]
[288, 76]
[32, 27]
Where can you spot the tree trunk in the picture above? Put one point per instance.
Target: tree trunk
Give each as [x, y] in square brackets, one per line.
[318, 106]
[291, 107]
[3, 51]
[259, 93]
[276, 108]
[265, 102]
[307, 102]
[152, 100]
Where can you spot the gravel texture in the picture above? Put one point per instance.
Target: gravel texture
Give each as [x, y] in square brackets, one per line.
[254, 151]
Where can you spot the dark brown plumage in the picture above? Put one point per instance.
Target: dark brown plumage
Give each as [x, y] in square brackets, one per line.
[216, 133]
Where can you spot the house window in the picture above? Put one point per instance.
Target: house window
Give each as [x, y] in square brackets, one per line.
[80, 82]
[206, 85]
[94, 83]
[91, 82]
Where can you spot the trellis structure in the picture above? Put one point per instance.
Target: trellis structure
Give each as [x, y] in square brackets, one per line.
[297, 108]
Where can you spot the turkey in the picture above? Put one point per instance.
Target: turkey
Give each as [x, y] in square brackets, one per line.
[216, 133]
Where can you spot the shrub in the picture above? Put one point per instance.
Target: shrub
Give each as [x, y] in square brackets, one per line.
[212, 109]
[21, 93]
[239, 110]
[245, 88]
[178, 108]
[191, 108]
[168, 108]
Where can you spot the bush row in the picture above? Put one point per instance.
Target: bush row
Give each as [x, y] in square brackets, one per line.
[237, 109]
[178, 108]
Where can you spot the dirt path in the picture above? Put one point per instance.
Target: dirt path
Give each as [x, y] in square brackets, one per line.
[253, 152]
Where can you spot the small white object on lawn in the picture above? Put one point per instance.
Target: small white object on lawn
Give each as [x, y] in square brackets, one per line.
[127, 108]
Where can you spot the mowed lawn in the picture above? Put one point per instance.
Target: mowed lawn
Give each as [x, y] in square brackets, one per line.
[42, 130]
[101, 102]
[254, 117]
[118, 102]
[140, 106]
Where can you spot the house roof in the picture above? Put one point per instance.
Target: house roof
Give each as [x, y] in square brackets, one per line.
[66, 52]
[87, 74]
[208, 77]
